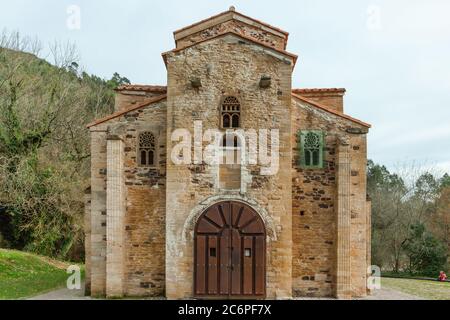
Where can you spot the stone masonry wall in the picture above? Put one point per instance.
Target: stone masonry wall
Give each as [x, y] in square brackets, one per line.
[313, 211]
[228, 66]
[360, 209]
[87, 240]
[98, 212]
[144, 224]
[332, 100]
[125, 99]
[145, 215]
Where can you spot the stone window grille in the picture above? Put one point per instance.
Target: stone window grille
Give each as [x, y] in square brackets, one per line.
[231, 113]
[147, 149]
[312, 145]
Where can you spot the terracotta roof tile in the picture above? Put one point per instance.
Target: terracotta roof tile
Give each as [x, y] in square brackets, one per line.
[325, 108]
[319, 90]
[129, 109]
[141, 87]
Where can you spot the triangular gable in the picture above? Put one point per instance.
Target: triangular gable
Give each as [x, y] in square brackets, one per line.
[225, 17]
[326, 109]
[115, 115]
[292, 56]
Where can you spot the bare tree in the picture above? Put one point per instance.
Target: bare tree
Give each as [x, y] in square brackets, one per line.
[44, 144]
[400, 200]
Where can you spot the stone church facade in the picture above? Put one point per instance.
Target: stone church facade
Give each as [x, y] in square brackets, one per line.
[155, 227]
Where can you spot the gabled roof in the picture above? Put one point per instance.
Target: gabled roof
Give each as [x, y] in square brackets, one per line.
[152, 100]
[327, 109]
[284, 52]
[231, 12]
[145, 103]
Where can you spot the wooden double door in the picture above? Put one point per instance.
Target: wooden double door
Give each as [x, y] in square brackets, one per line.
[230, 253]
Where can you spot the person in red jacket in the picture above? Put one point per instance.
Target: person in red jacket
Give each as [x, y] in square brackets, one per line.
[442, 276]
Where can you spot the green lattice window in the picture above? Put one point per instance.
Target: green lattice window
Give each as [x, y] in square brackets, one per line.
[311, 145]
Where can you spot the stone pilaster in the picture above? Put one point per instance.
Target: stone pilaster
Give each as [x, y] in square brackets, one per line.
[87, 240]
[98, 213]
[115, 207]
[343, 225]
[369, 240]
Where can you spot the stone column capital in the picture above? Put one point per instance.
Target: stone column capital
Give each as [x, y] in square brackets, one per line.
[343, 140]
[112, 137]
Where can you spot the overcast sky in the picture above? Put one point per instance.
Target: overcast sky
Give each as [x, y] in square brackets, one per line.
[392, 56]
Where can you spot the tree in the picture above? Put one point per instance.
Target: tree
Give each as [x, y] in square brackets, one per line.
[44, 146]
[401, 201]
[427, 256]
[444, 182]
[117, 81]
[388, 215]
[440, 224]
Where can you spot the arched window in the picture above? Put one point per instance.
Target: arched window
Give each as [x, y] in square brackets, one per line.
[231, 113]
[147, 149]
[226, 120]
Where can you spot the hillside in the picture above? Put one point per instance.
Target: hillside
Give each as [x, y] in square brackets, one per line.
[44, 150]
[24, 275]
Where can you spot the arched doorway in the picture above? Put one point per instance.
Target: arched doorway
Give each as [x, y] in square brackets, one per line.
[230, 252]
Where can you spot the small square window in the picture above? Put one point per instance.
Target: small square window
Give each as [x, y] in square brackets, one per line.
[248, 253]
[212, 252]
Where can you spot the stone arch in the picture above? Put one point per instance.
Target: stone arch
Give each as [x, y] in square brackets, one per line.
[197, 211]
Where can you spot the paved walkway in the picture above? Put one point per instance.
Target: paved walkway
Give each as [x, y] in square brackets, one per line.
[66, 294]
[63, 294]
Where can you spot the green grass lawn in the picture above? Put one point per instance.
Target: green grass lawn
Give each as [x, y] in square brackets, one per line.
[430, 290]
[24, 275]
